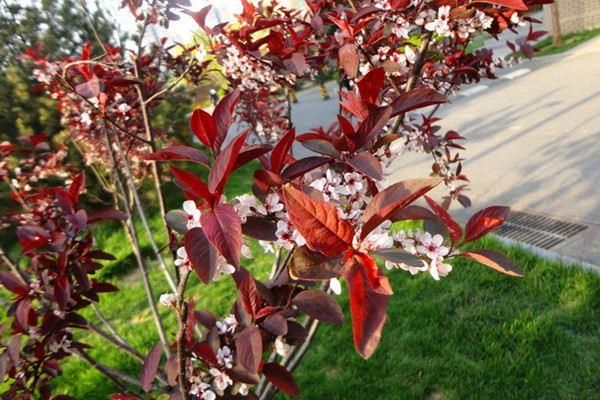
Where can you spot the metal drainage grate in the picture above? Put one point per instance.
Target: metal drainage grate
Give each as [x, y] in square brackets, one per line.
[537, 230]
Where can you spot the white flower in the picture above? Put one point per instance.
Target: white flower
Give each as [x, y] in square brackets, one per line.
[354, 184]
[243, 389]
[223, 267]
[516, 19]
[486, 21]
[208, 395]
[190, 208]
[228, 325]
[182, 260]
[272, 203]
[439, 269]
[124, 108]
[281, 347]
[432, 246]
[85, 119]
[267, 246]
[335, 286]
[319, 184]
[440, 24]
[244, 205]
[201, 53]
[168, 299]
[378, 238]
[246, 252]
[220, 379]
[225, 357]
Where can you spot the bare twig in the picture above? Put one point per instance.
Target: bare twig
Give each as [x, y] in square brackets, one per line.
[140, 211]
[415, 73]
[133, 238]
[13, 267]
[181, 327]
[117, 377]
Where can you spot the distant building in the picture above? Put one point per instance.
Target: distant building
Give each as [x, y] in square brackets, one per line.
[575, 15]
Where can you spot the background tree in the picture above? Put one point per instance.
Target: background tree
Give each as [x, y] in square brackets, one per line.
[55, 29]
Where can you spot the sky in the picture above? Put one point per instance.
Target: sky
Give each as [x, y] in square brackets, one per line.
[183, 29]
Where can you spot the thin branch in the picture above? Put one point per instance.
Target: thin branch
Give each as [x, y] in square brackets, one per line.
[115, 124]
[415, 73]
[13, 267]
[133, 238]
[182, 309]
[117, 377]
[171, 86]
[140, 211]
[115, 342]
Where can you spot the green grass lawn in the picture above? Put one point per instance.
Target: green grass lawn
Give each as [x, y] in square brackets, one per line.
[570, 40]
[477, 334]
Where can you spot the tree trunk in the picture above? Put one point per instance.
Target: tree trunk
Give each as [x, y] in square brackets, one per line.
[556, 31]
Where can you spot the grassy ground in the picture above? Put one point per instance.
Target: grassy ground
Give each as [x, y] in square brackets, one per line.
[475, 335]
[570, 40]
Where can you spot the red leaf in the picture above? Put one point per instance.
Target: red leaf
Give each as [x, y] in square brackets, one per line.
[62, 291]
[261, 228]
[281, 152]
[179, 153]
[32, 236]
[349, 60]
[355, 106]
[368, 310]
[22, 315]
[192, 184]
[248, 346]
[281, 378]
[200, 17]
[514, 4]
[203, 126]
[90, 88]
[250, 153]
[205, 353]
[370, 85]
[392, 199]
[485, 221]
[310, 265]
[223, 230]
[377, 281]
[302, 166]
[368, 164]
[320, 306]
[416, 98]
[106, 215]
[12, 283]
[275, 324]
[296, 64]
[373, 125]
[249, 296]
[76, 188]
[224, 162]
[318, 221]
[121, 396]
[223, 116]
[201, 254]
[495, 260]
[321, 146]
[449, 222]
[266, 179]
[150, 367]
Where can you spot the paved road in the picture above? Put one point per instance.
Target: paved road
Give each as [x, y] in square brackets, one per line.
[533, 139]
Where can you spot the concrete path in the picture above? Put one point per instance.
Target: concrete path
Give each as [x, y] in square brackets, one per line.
[533, 140]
